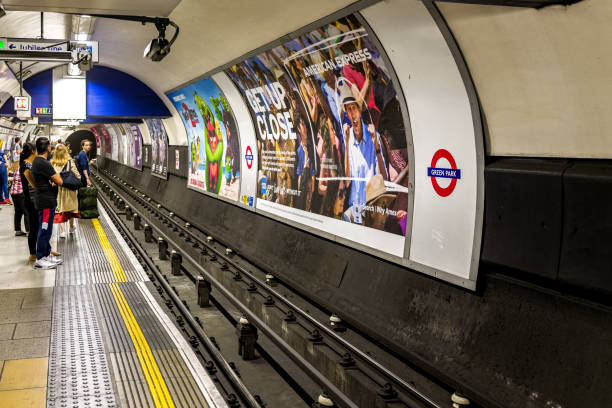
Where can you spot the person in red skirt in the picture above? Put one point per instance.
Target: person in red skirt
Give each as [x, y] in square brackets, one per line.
[67, 200]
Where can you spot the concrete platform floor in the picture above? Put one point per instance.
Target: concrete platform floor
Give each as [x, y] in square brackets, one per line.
[26, 297]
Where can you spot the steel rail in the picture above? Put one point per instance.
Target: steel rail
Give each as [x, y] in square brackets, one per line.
[337, 396]
[345, 343]
[244, 392]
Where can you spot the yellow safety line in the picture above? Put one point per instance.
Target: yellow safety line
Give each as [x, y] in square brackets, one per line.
[110, 253]
[154, 378]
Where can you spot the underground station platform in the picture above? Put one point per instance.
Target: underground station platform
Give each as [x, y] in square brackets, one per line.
[112, 341]
[306, 204]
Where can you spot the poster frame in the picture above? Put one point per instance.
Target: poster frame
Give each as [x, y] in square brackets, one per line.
[355, 8]
[150, 147]
[199, 190]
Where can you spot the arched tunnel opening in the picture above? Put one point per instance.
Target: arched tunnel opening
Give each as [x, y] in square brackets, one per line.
[75, 139]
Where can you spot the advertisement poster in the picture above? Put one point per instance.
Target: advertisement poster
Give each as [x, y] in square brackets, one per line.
[97, 136]
[104, 139]
[122, 142]
[331, 138]
[213, 142]
[159, 147]
[134, 146]
[114, 142]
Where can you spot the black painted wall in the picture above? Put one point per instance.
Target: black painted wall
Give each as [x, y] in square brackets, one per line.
[523, 345]
[551, 220]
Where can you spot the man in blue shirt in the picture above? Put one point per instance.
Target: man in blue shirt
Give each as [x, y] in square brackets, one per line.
[83, 162]
[363, 157]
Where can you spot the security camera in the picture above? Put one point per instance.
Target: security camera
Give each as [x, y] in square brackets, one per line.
[81, 59]
[157, 49]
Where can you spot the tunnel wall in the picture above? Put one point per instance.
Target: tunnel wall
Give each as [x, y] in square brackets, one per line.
[543, 75]
[443, 327]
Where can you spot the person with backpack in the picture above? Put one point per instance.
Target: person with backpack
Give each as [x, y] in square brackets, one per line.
[67, 200]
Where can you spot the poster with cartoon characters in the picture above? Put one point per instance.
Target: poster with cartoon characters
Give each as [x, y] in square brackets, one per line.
[213, 146]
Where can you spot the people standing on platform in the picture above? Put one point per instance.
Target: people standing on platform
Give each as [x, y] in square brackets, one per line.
[15, 155]
[67, 200]
[4, 191]
[83, 162]
[16, 191]
[27, 181]
[46, 181]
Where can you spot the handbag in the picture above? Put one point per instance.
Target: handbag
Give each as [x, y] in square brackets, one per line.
[69, 179]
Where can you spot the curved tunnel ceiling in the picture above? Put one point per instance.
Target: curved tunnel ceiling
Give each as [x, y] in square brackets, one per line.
[527, 64]
[211, 33]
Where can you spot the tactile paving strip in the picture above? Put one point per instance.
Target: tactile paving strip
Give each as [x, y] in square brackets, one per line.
[84, 370]
[99, 263]
[79, 375]
[74, 271]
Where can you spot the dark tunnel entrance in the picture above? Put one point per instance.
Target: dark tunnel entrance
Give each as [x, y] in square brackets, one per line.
[75, 142]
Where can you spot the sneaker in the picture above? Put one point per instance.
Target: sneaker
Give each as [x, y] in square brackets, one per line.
[62, 235]
[43, 263]
[72, 230]
[20, 234]
[55, 259]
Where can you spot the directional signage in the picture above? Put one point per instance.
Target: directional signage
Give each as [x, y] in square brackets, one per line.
[22, 103]
[44, 45]
[92, 46]
[33, 44]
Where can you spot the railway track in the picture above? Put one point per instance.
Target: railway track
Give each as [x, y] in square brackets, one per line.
[194, 247]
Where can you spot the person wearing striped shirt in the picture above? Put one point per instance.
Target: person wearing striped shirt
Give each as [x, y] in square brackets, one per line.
[18, 198]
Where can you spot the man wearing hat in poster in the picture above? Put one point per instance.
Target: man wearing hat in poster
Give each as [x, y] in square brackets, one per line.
[363, 158]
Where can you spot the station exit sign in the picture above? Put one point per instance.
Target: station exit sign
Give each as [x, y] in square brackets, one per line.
[22, 103]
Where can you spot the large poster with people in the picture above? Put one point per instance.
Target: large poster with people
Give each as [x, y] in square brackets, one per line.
[134, 146]
[332, 141]
[159, 147]
[121, 142]
[213, 147]
[114, 142]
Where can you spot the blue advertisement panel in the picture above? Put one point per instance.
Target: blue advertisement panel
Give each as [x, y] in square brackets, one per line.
[213, 141]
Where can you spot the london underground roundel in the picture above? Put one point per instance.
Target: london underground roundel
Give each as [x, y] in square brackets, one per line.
[435, 173]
